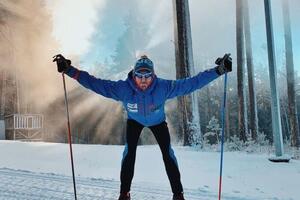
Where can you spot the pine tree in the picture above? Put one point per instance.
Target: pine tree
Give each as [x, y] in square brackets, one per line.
[189, 123]
[240, 69]
[295, 142]
[253, 125]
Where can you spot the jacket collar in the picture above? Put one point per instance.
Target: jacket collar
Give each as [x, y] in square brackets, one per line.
[135, 88]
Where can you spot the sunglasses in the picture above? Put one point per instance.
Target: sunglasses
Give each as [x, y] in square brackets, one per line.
[143, 75]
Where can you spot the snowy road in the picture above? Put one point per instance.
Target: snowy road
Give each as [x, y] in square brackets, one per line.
[17, 184]
[41, 171]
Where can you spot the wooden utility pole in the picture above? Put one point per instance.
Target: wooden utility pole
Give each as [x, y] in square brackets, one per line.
[275, 106]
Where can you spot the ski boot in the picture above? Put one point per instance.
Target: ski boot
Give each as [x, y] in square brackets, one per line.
[124, 196]
[178, 196]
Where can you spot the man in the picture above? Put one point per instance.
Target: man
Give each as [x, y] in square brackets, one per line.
[143, 95]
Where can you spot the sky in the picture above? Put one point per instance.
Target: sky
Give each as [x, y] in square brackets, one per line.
[94, 27]
[74, 23]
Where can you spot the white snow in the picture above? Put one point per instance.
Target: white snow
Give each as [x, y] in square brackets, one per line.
[42, 171]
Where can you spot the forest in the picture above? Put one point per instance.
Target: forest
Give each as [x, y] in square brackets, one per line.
[263, 95]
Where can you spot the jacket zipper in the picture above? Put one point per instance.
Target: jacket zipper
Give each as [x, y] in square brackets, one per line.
[144, 99]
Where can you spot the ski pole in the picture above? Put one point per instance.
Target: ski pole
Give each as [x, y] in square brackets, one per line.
[69, 135]
[222, 137]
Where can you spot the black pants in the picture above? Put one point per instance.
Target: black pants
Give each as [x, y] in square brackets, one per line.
[162, 136]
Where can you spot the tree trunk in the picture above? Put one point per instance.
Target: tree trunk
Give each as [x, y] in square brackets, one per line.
[275, 108]
[189, 123]
[252, 96]
[208, 108]
[2, 100]
[290, 75]
[227, 125]
[240, 70]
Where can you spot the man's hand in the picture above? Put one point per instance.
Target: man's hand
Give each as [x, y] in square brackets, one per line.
[224, 64]
[62, 63]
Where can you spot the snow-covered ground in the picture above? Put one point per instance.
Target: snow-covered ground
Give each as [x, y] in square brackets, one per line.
[42, 171]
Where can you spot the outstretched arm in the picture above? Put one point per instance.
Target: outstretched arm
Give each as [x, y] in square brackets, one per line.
[185, 86]
[188, 85]
[107, 88]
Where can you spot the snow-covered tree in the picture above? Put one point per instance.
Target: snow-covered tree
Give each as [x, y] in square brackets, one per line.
[214, 131]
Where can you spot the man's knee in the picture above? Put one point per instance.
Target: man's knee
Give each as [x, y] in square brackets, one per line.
[169, 156]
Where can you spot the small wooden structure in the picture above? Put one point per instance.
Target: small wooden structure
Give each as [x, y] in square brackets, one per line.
[28, 127]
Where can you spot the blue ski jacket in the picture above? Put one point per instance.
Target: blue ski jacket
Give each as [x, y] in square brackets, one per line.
[145, 107]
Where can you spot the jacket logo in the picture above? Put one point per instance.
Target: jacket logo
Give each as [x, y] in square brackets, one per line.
[132, 107]
[154, 108]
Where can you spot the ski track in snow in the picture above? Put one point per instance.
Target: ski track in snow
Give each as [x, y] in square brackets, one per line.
[20, 184]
